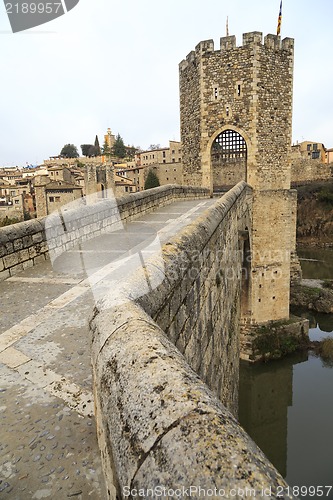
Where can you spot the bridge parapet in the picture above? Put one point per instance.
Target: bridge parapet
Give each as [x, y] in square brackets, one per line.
[26, 244]
[159, 425]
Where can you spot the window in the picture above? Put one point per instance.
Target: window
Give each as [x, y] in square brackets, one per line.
[239, 90]
[57, 173]
[51, 199]
[315, 155]
[173, 151]
[163, 154]
[163, 161]
[315, 147]
[216, 92]
[173, 160]
[57, 198]
[17, 202]
[308, 147]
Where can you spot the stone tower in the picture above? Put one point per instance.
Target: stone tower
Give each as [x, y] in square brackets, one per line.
[236, 119]
[99, 181]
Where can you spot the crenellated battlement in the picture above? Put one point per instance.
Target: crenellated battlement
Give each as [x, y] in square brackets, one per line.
[253, 38]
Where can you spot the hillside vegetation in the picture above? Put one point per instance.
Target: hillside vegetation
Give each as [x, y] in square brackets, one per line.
[315, 214]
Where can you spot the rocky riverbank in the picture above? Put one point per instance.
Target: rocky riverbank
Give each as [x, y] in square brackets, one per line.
[314, 295]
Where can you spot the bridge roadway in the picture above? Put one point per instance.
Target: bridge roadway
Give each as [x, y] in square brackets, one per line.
[48, 444]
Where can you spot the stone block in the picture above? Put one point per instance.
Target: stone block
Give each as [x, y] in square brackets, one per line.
[37, 237]
[18, 244]
[11, 260]
[23, 255]
[27, 241]
[16, 269]
[28, 263]
[9, 247]
[4, 274]
[32, 252]
[39, 259]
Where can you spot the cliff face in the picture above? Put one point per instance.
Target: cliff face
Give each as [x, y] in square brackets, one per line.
[315, 214]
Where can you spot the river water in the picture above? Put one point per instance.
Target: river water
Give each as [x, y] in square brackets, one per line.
[287, 406]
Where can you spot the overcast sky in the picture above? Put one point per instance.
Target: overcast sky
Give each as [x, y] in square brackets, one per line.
[114, 64]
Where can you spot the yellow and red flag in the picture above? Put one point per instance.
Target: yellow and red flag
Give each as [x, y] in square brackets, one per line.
[279, 20]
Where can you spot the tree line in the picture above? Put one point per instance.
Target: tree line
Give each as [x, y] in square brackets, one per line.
[118, 150]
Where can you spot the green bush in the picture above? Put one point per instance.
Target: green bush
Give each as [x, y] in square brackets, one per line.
[7, 221]
[275, 344]
[152, 180]
[326, 349]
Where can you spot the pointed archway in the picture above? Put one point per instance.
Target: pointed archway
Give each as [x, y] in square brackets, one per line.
[228, 160]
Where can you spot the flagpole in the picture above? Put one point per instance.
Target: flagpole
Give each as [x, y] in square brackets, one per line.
[227, 27]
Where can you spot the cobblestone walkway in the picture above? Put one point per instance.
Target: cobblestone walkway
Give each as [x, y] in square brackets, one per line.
[48, 445]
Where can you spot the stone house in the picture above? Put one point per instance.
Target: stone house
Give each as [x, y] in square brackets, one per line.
[310, 150]
[51, 196]
[329, 155]
[172, 154]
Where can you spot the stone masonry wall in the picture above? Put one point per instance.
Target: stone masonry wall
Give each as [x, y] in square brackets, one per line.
[198, 302]
[190, 124]
[304, 170]
[159, 426]
[25, 244]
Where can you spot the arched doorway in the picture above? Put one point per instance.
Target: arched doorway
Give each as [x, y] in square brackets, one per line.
[228, 160]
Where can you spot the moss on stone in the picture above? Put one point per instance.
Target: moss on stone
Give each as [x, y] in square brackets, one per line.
[279, 338]
[274, 344]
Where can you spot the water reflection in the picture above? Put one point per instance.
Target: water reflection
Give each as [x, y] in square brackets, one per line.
[287, 406]
[265, 393]
[317, 263]
[320, 324]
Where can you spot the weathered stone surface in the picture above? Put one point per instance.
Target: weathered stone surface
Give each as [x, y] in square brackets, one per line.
[162, 425]
[225, 458]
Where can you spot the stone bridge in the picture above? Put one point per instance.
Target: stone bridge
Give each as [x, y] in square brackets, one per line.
[165, 349]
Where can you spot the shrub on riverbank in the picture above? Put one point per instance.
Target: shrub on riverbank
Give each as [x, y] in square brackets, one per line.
[326, 350]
